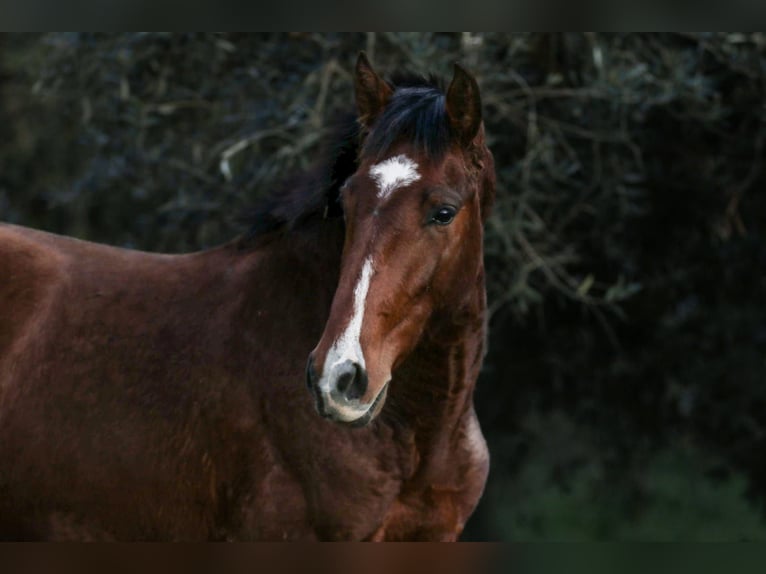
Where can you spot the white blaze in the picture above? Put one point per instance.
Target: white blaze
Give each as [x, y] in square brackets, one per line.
[394, 173]
[347, 346]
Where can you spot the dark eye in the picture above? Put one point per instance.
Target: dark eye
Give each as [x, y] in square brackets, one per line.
[443, 215]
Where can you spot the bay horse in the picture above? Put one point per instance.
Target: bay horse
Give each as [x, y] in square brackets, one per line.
[161, 397]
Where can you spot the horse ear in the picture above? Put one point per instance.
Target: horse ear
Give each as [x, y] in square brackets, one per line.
[372, 91]
[464, 105]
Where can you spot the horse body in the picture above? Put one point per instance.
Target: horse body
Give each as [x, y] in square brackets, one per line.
[158, 397]
[176, 435]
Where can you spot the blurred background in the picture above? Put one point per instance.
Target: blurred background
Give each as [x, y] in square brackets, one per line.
[624, 393]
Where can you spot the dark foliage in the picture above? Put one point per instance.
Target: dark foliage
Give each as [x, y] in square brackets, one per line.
[625, 255]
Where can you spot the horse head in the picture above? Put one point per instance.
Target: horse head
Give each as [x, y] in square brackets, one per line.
[413, 213]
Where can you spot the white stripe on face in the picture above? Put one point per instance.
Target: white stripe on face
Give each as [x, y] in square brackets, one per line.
[394, 173]
[347, 346]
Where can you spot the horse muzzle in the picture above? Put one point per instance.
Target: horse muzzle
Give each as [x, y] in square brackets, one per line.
[338, 393]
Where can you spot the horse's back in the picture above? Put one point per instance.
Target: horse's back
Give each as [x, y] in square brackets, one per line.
[29, 272]
[42, 273]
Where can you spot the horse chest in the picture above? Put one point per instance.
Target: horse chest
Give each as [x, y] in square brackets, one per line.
[435, 504]
[387, 509]
[428, 512]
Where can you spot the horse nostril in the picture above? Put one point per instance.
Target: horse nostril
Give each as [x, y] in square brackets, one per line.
[351, 380]
[344, 381]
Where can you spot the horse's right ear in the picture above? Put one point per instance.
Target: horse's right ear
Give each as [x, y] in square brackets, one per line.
[372, 91]
[464, 105]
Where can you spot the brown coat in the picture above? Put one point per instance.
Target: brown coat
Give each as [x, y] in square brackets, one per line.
[149, 397]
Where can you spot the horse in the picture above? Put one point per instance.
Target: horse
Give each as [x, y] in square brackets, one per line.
[161, 396]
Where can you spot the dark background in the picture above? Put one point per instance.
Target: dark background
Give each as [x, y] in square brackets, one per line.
[624, 393]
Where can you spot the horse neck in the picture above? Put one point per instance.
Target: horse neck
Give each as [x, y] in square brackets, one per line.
[436, 383]
[296, 273]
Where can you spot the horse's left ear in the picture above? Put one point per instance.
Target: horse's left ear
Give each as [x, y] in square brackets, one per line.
[372, 91]
[464, 105]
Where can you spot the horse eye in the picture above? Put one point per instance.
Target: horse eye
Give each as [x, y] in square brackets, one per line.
[443, 215]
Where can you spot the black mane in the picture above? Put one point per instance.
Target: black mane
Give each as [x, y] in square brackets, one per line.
[315, 193]
[416, 112]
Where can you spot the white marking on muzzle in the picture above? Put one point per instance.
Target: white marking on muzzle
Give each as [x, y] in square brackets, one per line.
[394, 173]
[347, 346]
